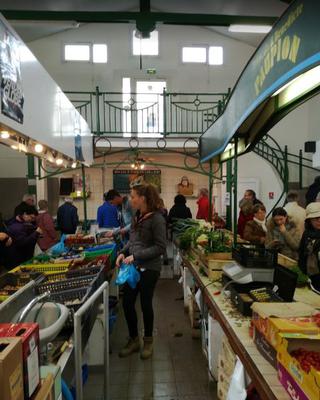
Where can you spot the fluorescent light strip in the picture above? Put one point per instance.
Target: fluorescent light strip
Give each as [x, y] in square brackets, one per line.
[250, 28]
[299, 86]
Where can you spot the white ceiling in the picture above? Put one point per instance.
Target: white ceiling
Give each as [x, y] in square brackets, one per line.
[32, 30]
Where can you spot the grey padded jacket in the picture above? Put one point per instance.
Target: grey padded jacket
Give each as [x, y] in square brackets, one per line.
[147, 241]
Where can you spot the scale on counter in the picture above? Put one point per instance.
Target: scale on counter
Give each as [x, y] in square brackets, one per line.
[240, 274]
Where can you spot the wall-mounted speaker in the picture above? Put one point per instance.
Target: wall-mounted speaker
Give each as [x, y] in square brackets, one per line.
[310, 147]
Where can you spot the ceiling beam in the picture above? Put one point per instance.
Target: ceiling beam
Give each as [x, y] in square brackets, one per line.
[143, 17]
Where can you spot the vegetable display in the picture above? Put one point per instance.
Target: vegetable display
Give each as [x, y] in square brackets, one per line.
[202, 234]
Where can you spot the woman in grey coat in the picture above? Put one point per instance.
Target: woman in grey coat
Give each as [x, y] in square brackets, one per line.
[146, 245]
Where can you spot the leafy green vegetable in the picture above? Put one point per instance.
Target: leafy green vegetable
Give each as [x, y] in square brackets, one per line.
[302, 278]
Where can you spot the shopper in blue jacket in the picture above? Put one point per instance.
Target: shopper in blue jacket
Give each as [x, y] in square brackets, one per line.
[108, 215]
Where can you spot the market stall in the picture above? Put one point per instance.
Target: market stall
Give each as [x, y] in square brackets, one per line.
[222, 318]
[53, 302]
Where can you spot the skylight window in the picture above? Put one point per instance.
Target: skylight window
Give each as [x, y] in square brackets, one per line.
[99, 53]
[194, 54]
[77, 52]
[215, 55]
[145, 47]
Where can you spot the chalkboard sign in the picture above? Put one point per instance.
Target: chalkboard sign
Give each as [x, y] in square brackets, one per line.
[124, 179]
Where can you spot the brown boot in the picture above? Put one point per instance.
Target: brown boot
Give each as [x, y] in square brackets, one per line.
[147, 348]
[132, 346]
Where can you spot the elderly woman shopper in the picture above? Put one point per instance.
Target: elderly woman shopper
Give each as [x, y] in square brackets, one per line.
[146, 245]
[309, 250]
[255, 231]
[283, 234]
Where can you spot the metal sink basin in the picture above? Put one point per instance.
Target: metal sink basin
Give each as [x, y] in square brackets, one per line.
[51, 318]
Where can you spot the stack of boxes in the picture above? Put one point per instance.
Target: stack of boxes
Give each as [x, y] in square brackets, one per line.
[20, 365]
[280, 330]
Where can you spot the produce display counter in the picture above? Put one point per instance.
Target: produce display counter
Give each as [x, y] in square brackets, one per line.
[236, 328]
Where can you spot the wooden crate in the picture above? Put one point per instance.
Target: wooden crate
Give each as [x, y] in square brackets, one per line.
[285, 261]
[219, 256]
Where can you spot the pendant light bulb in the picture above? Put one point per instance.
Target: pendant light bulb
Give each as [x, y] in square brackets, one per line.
[38, 148]
[5, 135]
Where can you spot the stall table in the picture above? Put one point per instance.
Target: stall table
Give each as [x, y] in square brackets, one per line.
[236, 328]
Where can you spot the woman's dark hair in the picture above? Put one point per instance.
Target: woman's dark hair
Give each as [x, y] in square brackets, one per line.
[258, 207]
[279, 212]
[151, 195]
[180, 199]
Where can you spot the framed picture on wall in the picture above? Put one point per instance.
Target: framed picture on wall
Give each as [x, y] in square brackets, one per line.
[124, 179]
[185, 187]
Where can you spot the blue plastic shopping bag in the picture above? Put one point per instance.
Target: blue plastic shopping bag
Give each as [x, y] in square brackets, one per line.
[128, 273]
[58, 248]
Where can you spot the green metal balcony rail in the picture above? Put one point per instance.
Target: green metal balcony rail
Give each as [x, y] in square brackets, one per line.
[118, 114]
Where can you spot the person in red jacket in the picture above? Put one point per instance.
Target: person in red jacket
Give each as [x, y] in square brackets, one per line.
[203, 204]
[44, 220]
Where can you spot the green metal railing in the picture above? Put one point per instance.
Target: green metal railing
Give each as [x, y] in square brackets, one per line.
[166, 113]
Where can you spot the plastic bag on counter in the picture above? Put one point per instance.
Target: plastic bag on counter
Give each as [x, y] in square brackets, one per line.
[59, 247]
[237, 389]
[128, 273]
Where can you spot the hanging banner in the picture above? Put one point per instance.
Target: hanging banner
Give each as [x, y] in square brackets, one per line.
[291, 48]
[12, 98]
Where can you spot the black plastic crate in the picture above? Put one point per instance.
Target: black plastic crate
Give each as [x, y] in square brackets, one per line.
[77, 273]
[251, 256]
[73, 299]
[66, 285]
[14, 281]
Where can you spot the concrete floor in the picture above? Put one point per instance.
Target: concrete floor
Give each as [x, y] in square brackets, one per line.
[178, 368]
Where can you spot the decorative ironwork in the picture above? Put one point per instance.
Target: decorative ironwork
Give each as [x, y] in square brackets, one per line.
[148, 114]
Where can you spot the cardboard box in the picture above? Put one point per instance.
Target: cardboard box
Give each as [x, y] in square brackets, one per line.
[223, 384]
[285, 317]
[225, 365]
[308, 382]
[11, 373]
[265, 348]
[290, 384]
[45, 391]
[29, 334]
[55, 371]
[227, 352]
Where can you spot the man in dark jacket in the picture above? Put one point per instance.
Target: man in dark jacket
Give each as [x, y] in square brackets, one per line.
[24, 236]
[313, 191]
[67, 217]
[5, 242]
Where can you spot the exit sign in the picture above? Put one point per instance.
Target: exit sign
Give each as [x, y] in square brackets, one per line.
[151, 71]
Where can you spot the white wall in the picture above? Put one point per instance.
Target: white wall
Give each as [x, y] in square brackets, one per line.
[121, 62]
[12, 163]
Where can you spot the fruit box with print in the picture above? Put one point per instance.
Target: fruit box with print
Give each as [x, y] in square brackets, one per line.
[300, 356]
[284, 318]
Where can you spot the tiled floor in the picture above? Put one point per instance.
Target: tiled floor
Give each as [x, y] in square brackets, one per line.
[178, 368]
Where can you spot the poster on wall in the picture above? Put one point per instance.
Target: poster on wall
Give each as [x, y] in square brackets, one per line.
[12, 98]
[124, 179]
